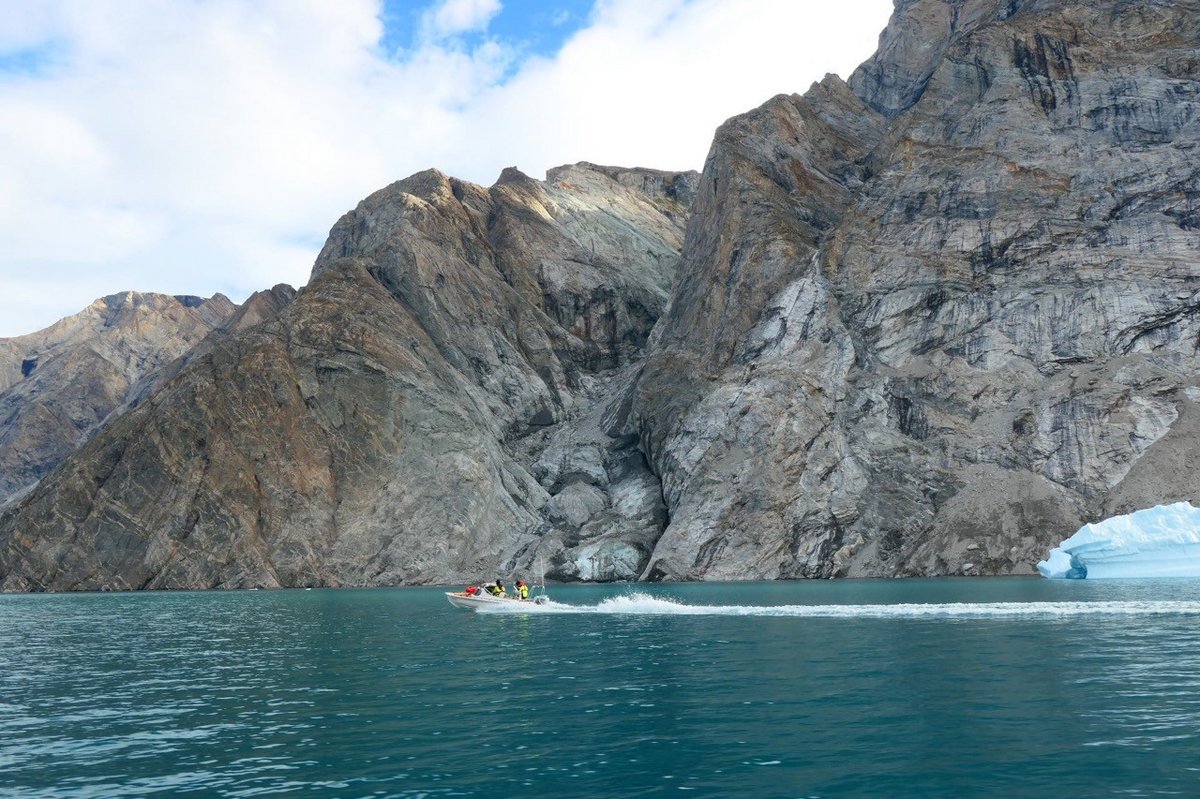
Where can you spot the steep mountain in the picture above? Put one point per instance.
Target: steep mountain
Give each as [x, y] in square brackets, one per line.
[383, 426]
[932, 320]
[58, 385]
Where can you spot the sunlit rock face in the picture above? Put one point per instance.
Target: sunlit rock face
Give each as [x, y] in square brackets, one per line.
[58, 385]
[396, 421]
[930, 321]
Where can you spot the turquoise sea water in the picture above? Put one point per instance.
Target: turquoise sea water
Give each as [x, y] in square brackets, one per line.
[945, 688]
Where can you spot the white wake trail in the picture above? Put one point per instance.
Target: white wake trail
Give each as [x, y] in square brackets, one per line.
[645, 605]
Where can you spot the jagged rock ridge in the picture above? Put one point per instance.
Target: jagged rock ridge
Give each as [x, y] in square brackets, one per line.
[57, 386]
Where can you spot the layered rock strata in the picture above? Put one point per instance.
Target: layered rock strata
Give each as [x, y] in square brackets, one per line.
[258, 308]
[383, 427]
[932, 320]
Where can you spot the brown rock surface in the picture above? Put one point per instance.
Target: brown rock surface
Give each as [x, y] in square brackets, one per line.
[381, 427]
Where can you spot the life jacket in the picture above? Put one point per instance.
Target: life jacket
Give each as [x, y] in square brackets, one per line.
[497, 590]
[524, 591]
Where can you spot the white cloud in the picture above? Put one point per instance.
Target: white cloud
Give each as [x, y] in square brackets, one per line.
[650, 80]
[28, 26]
[460, 16]
[209, 146]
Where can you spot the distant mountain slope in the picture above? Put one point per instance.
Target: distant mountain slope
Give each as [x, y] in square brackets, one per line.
[383, 427]
[59, 384]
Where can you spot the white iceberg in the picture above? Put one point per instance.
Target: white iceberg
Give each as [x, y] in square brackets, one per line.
[1162, 541]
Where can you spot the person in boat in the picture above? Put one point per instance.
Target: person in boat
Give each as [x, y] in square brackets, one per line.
[498, 589]
[522, 589]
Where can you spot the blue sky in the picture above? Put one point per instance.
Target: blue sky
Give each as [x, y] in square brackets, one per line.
[209, 145]
[531, 27]
[28, 60]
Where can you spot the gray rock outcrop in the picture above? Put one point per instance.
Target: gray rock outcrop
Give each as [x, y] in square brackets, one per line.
[258, 308]
[932, 320]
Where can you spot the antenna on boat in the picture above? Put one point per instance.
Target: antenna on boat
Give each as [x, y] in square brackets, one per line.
[544, 598]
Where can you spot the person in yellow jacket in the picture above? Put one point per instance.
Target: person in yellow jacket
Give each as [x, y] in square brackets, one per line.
[522, 590]
[498, 588]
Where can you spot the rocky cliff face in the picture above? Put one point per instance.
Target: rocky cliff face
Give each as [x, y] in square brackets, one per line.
[384, 427]
[58, 385]
[930, 321]
[926, 321]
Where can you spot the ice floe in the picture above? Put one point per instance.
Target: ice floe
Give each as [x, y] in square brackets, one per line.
[1163, 541]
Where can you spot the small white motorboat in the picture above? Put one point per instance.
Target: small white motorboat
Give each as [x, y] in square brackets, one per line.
[479, 599]
[475, 598]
